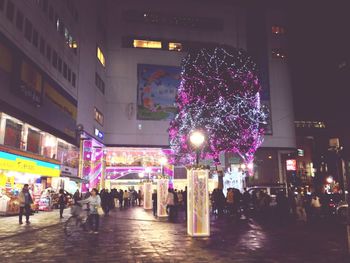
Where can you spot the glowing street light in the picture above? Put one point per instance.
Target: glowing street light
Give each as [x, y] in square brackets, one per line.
[329, 179]
[197, 139]
[163, 161]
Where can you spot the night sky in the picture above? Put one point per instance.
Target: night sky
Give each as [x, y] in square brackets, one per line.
[318, 41]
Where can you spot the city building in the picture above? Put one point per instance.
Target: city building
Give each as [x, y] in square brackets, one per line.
[151, 37]
[80, 76]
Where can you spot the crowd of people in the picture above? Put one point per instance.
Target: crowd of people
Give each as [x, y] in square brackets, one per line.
[296, 204]
[303, 207]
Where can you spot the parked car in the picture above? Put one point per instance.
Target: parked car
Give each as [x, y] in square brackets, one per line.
[330, 203]
[342, 210]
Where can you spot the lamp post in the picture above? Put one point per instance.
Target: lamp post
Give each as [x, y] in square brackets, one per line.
[342, 170]
[197, 139]
[163, 161]
[198, 222]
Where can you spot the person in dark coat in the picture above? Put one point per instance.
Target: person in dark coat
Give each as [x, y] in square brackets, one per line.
[120, 198]
[105, 204]
[25, 201]
[76, 197]
[61, 202]
[184, 197]
[154, 202]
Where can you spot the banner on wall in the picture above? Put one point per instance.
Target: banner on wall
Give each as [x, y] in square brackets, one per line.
[156, 90]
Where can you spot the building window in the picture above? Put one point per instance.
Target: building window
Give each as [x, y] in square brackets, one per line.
[74, 79]
[278, 30]
[162, 19]
[147, 44]
[59, 65]
[65, 70]
[98, 117]
[278, 53]
[13, 133]
[45, 5]
[33, 140]
[19, 20]
[54, 58]
[42, 46]
[48, 52]
[175, 46]
[101, 57]
[2, 5]
[28, 28]
[35, 38]
[51, 13]
[99, 83]
[10, 10]
[69, 74]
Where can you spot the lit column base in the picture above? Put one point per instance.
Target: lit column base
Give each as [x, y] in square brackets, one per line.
[198, 223]
[162, 194]
[147, 195]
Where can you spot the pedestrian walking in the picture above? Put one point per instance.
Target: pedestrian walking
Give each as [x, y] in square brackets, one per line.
[170, 204]
[230, 201]
[246, 198]
[315, 207]
[126, 198]
[120, 198]
[154, 202]
[139, 197]
[76, 196]
[105, 203]
[94, 202]
[300, 207]
[25, 201]
[62, 202]
[184, 197]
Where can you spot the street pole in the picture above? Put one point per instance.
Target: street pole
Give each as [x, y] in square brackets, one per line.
[347, 199]
[197, 156]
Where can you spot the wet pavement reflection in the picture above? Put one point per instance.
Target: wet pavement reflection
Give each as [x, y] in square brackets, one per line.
[134, 235]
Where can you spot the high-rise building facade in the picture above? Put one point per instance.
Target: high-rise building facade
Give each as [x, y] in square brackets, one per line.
[112, 68]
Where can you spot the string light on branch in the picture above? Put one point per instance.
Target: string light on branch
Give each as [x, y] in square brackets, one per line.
[219, 93]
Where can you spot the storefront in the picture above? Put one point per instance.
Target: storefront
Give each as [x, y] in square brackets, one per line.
[128, 166]
[44, 151]
[18, 168]
[92, 163]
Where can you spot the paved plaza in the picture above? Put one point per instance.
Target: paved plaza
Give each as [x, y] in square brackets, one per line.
[135, 236]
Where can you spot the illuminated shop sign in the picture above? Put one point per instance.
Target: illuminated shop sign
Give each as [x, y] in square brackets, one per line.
[99, 134]
[291, 165]
[13, 162]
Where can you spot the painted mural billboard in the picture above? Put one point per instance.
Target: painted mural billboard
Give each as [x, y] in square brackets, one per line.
[156, 90]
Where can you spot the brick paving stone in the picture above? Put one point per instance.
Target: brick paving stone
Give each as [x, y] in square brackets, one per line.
[134, 235]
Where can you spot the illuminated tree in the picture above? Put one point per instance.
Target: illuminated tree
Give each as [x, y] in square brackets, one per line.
[218, 94]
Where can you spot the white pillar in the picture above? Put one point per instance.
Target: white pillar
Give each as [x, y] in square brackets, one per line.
[147, 195]
[198, 223]
[162, 194]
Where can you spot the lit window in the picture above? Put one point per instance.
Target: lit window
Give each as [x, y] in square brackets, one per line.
[98, 116]
[175, 46]
[278, 30]
[278, 53]
[101, 57]
[147, 44]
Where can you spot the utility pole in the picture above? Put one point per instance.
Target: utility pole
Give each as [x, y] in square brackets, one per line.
[343, 169]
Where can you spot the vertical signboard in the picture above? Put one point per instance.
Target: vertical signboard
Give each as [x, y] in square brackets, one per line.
[198, 223]
[162, 194]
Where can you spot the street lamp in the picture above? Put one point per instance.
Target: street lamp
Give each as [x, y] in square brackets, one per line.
[197, 139]
[148, 170]
[163, 161]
